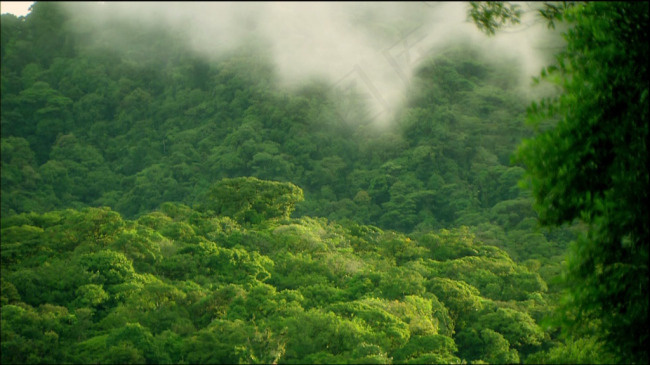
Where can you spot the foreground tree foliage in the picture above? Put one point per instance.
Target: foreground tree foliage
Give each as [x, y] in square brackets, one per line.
[591, 163]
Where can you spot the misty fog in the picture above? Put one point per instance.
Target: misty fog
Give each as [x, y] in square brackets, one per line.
[371, 49]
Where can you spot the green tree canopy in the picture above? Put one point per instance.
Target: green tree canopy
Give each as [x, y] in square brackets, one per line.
[589, 162]
[248, 199]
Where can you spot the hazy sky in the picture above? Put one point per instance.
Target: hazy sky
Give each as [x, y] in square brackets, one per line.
[16, 8]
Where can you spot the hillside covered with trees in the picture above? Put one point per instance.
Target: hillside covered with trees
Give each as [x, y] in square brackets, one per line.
[163, 207]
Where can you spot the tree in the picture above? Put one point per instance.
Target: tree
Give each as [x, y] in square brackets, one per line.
[490, 15]
[589, 162]
[430, 349]
[107, 267]
[251, 200]
[487, 345]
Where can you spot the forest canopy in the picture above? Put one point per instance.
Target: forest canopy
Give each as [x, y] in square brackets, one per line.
[159, 206]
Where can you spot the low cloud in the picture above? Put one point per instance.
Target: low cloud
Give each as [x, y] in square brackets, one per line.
[368, 48]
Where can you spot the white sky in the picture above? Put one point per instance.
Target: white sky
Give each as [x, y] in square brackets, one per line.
[16, 8]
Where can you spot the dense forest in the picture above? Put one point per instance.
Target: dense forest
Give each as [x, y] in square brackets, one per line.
[159, 206]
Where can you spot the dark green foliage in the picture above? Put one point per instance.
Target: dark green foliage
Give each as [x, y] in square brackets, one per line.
[589, 163]
[491, 15]
[110, 127]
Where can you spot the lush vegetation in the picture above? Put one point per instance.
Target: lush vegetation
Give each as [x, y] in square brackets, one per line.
[591, 164]
[148, 196]
[184, 285]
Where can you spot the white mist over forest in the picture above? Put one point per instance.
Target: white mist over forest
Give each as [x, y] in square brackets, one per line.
[371, 48]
